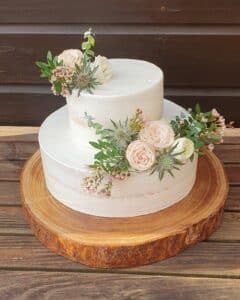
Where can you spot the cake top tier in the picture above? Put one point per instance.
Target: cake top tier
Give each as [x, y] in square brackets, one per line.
[134, 84]
[129, 76]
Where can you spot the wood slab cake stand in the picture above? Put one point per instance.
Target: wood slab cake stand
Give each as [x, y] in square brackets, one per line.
[125, 242]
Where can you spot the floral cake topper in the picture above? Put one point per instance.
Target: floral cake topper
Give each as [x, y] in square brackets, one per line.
[137, 145]
[76, 69]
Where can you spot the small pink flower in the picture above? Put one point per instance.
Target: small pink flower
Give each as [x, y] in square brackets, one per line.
[140, 155]
[215, 113]
[159, 134]
[210, 147]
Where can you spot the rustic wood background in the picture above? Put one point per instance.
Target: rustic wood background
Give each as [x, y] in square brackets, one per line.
[197, 44]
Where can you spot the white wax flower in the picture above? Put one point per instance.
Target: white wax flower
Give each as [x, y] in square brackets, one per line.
[70, 57]
[159, 134]
[185, 147]
[104, 70]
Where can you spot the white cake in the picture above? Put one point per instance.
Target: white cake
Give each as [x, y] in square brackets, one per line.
[134, 84]
[66, 153]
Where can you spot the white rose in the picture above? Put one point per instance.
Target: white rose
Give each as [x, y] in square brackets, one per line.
[140, 155]
[70, 57]
[185, 147]
[104, 70]
[158, 134]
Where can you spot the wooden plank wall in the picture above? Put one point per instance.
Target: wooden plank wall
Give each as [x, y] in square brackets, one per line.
[197, 44]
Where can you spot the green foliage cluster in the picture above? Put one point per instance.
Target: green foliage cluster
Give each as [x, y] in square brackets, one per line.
[46, 68]
[198, 126]
[111, 154]
[83, 78]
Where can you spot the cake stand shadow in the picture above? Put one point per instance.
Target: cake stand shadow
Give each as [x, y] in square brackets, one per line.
[125, 242]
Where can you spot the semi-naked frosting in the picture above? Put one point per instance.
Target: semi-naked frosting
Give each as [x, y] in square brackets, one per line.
[134, 84]
[65, 165]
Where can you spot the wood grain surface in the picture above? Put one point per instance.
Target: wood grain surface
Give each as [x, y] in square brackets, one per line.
[214, 263]
[119, 12]
[125, 242]
[180, 52]
[55, 285]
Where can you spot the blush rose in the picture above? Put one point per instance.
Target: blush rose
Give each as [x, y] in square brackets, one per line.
[70, 57]
[159, 134]
[140, 155]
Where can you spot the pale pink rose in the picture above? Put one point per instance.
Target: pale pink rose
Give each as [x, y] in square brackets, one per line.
[70, 57]
[158, 134]
[140, 155]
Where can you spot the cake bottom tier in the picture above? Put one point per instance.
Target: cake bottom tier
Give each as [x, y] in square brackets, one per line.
[65, 165]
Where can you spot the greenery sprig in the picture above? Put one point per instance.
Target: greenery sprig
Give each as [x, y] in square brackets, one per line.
[46, 68]
[200, 127]
[88, 43]
[111, 147]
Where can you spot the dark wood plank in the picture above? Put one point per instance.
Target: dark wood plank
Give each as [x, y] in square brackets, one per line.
[228, 229]
[205, 259]
[233, 201]
[27, 106]
[12, 222]
[17, 150]
[9, 193]
[10, 170]
[56, 285]
[228, 153]
[187, 56]
[117, 11]
[233, 173]
[30, 105]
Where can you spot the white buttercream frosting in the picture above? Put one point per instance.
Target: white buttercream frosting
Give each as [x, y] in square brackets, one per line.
[134, 84]
[65, 165]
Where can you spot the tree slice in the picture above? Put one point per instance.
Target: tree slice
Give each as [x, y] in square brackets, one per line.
[125, 242]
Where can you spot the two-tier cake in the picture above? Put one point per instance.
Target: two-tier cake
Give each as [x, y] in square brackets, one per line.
[117, 148]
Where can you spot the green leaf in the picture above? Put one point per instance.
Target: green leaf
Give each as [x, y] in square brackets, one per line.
[49, 56]
[95, 145]
[197, 108]
[91, 40]
[57, 87]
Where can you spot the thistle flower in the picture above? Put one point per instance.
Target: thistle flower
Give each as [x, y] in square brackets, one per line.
[166, 161]
[84, 76]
